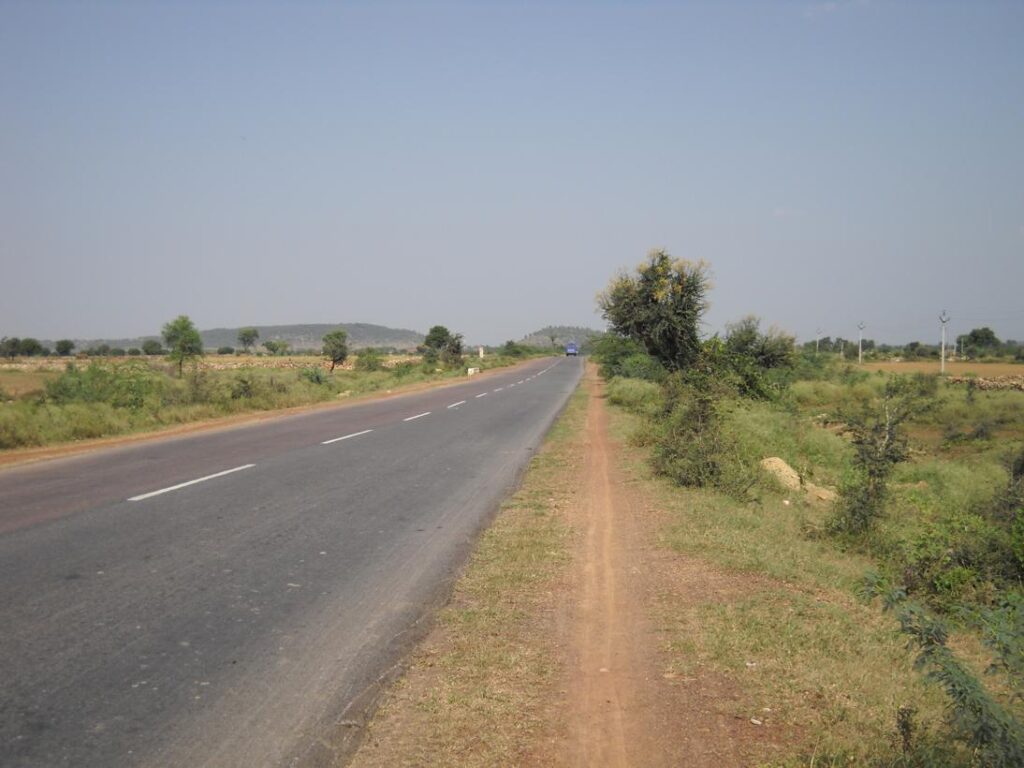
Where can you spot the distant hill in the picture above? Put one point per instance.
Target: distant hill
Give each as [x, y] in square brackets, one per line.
[298, 336]
[563, 335]
[309, 336]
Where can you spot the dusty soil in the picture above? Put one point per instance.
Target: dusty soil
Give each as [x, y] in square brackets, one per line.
[626, 706]
[615, 698]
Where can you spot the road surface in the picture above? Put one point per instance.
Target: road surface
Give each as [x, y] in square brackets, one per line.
[233, 598]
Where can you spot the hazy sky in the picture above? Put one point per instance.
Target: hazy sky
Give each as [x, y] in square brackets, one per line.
[490, 165]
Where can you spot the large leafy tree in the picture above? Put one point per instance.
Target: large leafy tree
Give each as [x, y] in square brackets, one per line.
[247, 337]
[64, 347]
[10, 346]
[336, 347]
[660, 306]
[437, 339]
[183, 340]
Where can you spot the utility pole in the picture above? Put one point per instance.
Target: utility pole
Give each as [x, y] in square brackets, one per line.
[817, 340]
[860, 343]
[943, 318]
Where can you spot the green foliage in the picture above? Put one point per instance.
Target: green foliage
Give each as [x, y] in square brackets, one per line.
[29, 347]
[512, 349]
[10, 346]
[336, 347]
[134, 351]
[451, 354]
[369, 359]
[624, 357]
[692, 447]
[441, 345]
[117, 352]
[183, 341]
[314, 374]
[436, 338]
[125, 385]
[636, 395]
[661, 307]
[984, 724]
[225, 350]
[879, 444]
[247, 338]
[276, 347]
[152, 347]
[64, 347]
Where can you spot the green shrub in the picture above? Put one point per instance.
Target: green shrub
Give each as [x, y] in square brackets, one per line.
[635, 395]
[988, 728]
[369, 359]
[314, 375]
[879, 445]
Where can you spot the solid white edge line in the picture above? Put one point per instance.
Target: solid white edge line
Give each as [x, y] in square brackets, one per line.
[346, 437]
[417, 416]
[461, 402]
[142, 496]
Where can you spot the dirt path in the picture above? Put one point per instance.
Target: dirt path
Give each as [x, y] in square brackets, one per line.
[571, 668]
[610, 656]
[625, 708]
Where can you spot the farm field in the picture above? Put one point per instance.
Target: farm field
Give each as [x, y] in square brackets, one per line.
[957, 368]
[62, 400]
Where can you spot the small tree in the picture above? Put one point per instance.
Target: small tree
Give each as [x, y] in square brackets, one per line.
[276, 347]
[369, 359]
[247, 337]
[451, 354]
[879, 445]
[661, 307]
[152, 347]
[64, 347]
[183, 340]
[437, 339]
[336, 347]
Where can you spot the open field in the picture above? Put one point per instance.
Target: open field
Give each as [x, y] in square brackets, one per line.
[98, 398]
[17, 381]
[957, 368]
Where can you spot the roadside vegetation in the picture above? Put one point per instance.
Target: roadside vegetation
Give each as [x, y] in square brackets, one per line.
[880, 518]
[107, 396]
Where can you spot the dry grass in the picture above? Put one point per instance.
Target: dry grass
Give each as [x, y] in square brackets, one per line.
[957, 368]
[17, 382]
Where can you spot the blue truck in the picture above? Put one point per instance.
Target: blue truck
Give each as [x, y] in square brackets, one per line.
[571, 349]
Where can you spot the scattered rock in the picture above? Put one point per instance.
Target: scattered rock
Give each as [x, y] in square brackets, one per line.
[790, 479]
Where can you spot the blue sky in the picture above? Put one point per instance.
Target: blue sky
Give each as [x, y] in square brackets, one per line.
[489, 166]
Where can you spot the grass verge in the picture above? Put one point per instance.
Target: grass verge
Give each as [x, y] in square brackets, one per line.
[785, 626]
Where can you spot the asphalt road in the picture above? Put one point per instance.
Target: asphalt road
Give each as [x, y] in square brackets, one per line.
[243, 620]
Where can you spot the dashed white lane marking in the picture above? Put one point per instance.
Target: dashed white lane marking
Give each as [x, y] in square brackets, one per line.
[142, 496]
[519, 382]
[482, 394]
[417, 416]
[498, 389]
[456, 405]
[346, 437]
